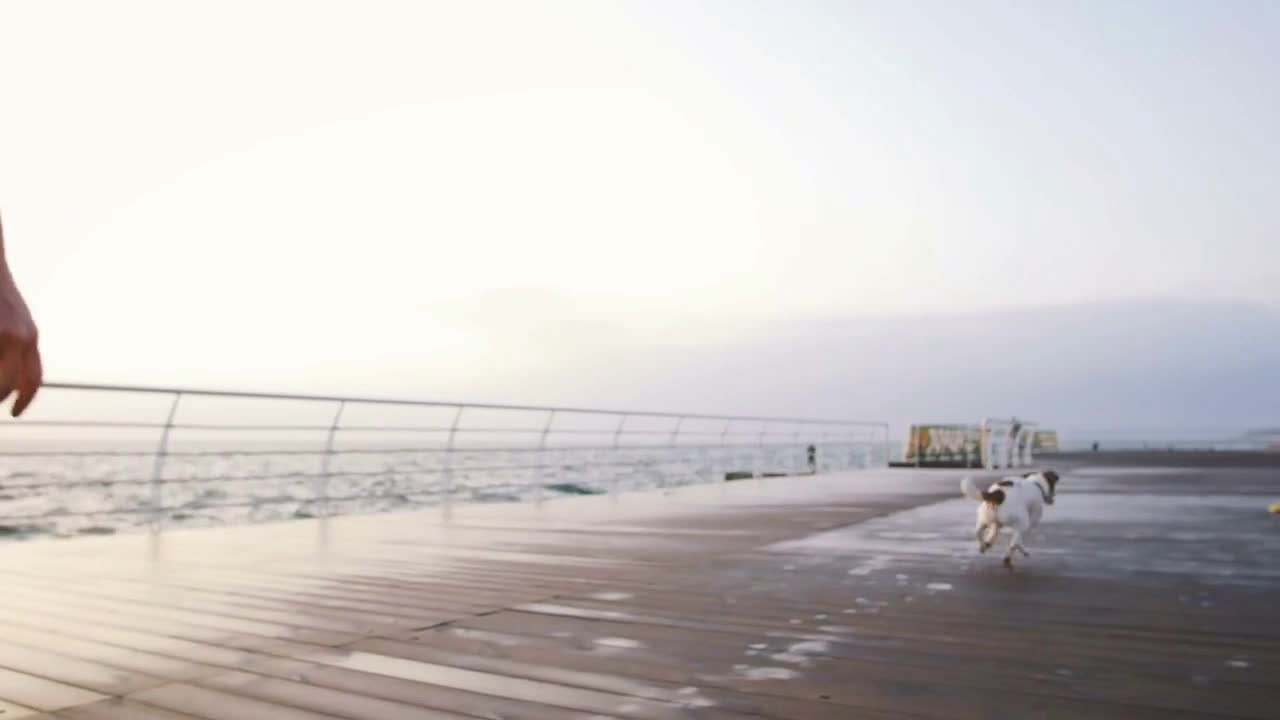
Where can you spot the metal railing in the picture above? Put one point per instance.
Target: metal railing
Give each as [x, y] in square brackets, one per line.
[1007, 443]
[96, 458]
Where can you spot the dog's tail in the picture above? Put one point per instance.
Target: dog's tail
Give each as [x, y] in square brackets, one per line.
[970, 489]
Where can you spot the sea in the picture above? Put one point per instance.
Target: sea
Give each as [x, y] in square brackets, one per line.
[72, 492]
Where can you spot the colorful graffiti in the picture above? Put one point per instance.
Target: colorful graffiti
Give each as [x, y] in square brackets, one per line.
[1045, 441]
[945, 446]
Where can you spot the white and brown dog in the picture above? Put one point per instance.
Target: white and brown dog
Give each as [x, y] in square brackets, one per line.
[1015, 504]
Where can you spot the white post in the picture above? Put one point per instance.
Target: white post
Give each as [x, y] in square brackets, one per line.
[1029, 444]
[1010, 458]
[984, 447]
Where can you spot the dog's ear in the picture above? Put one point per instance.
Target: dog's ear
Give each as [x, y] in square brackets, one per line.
[1052, 477]
[995, 497]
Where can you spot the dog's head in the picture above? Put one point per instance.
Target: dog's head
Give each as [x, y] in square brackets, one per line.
[1048, 480]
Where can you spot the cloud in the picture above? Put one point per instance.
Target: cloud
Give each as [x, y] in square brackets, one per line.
[1157, 366]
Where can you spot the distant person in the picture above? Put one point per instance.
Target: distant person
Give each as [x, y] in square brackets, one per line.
[813, 459]
[20, 368]
[1095, 447]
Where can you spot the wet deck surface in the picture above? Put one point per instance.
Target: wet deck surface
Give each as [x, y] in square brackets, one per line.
[1150, 593]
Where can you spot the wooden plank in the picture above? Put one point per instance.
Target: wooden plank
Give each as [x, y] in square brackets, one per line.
[411, 692]
[321, 699]
[483, 683]
[229, 623]
[858, 687]
[25, 640]
[10, 711]
[131, 627]
[41, 693]
[215, 705]
[660, 680]
[121, 709]
[608, 615]
[211, 604]
[73, 671]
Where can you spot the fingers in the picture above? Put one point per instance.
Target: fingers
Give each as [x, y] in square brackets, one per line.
[10, 367]
[20, 370]
[20, 367]
[29, 381]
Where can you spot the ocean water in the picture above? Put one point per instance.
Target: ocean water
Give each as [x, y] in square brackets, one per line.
[66, 494]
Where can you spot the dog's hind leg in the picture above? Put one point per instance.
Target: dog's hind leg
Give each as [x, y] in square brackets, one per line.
[1017, 545]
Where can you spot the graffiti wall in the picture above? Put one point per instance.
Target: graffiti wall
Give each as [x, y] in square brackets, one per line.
[1045, 441]
[945, 446]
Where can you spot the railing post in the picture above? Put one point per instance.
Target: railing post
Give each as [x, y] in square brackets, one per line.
[888, 446]
[675, 438]
[758, 466]
[321, 489]
[617, 433]
[448, 458]
[542, 454]
[724, 434]
[546, 430]
[795, 449]
[1010, 460]
[1017, 445]
[157, 472]
[617, 439]
[984, 445]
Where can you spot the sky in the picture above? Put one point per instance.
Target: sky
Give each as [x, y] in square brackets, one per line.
[634, 202]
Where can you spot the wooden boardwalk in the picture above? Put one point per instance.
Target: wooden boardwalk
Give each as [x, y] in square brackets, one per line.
[1150, 594]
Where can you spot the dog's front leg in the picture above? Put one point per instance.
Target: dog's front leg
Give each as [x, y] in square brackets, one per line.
[1015, 543]
[987, 536]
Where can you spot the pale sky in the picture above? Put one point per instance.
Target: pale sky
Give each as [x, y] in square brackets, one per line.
[448, 198]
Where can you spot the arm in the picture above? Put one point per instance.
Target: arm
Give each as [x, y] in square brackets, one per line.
[20, 368]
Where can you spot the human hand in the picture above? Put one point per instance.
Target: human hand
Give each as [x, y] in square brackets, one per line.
[20, 368]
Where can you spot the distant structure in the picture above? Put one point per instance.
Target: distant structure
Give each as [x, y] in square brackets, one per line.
[954, 446]
[1267, 440]
[1045, 441]
[995, 443]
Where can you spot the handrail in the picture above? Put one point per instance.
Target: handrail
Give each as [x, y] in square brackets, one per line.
[471, 452]
[247, 394]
